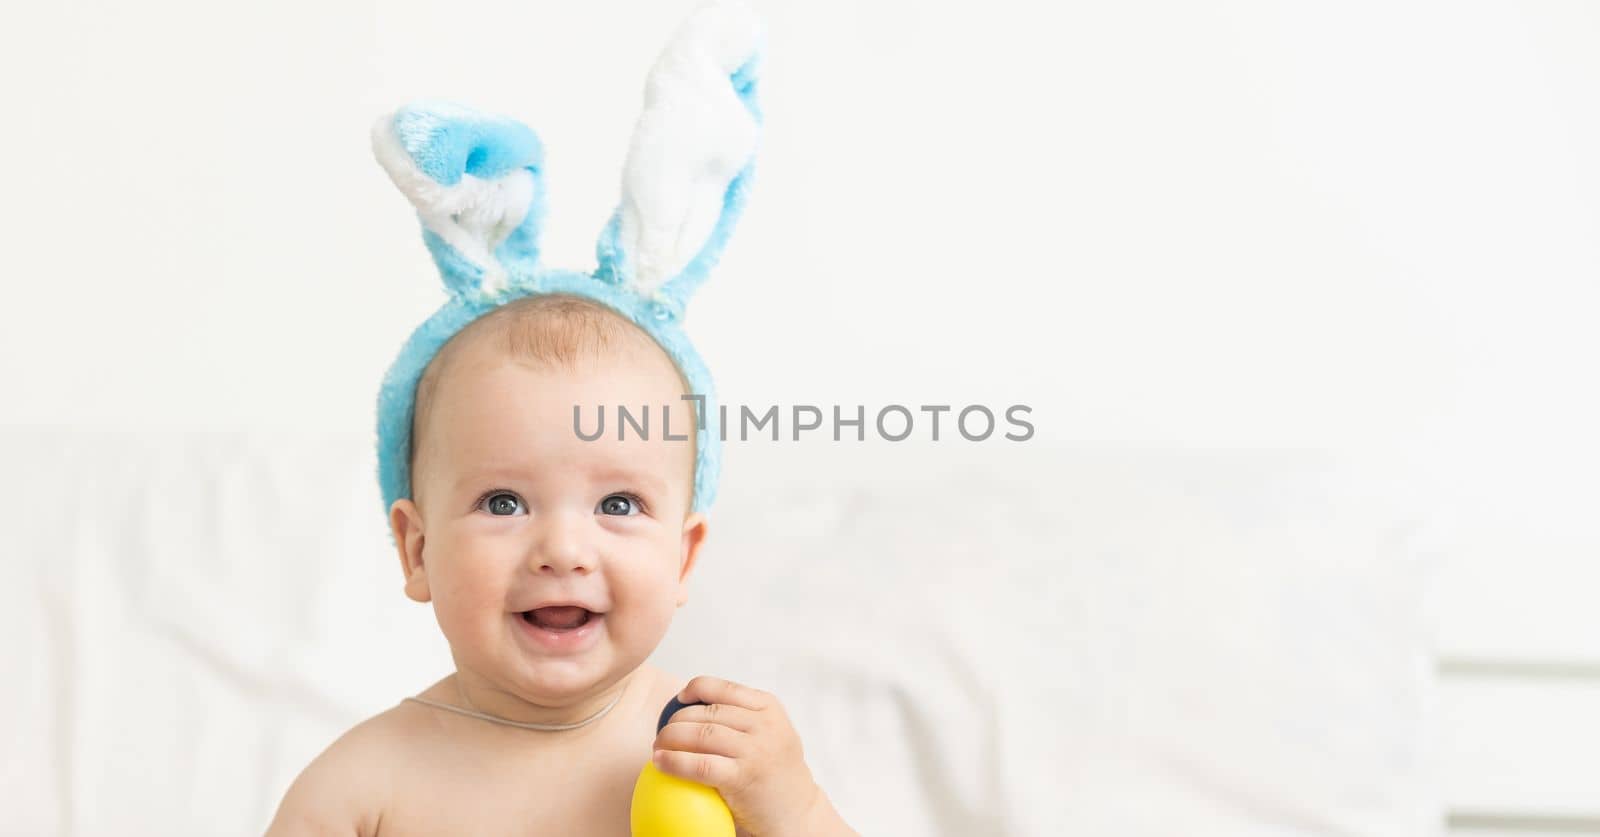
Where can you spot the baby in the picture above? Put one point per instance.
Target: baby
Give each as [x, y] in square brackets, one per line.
[553, 558]
[554, 566]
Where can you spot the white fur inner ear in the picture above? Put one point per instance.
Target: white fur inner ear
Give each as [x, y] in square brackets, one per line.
[474, 215]
[692, 138]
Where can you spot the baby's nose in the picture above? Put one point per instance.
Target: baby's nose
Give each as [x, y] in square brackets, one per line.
[560, 548]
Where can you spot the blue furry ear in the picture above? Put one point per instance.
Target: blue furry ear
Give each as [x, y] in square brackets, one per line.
[690, 160]
[476, 181]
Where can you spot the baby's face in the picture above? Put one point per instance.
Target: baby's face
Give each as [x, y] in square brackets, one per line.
[517, 512]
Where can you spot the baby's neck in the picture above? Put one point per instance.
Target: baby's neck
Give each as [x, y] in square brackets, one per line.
[466, 690]
[640, 696]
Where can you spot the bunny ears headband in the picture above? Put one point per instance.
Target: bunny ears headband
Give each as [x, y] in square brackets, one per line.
[476, 180]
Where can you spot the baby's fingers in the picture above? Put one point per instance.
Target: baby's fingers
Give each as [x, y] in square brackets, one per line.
[726, 714]
[707, 689]
[711, 739]
[721, 772]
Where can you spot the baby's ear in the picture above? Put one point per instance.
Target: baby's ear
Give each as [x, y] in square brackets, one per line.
[477, 183]
[691, 158]
[694, 537]
[405, 522]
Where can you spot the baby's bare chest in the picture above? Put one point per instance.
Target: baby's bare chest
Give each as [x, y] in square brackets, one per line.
[584, 797]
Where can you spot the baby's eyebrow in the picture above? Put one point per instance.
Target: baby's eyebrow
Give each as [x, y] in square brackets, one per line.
[483, 474]
[650, 481]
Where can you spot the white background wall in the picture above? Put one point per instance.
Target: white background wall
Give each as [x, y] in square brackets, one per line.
[1220, 222]
[1371, 226]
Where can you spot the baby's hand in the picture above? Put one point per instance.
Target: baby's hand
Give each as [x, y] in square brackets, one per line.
[742, 744]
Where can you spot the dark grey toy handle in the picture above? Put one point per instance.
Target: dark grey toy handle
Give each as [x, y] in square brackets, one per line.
[673, 706]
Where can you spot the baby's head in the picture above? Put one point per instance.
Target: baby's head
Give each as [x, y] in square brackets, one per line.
[512, 510]
[497, 504]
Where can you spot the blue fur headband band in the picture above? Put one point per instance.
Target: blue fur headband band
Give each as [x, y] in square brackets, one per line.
[476, 181]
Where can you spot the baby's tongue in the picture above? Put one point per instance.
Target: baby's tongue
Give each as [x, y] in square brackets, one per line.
[560, 617]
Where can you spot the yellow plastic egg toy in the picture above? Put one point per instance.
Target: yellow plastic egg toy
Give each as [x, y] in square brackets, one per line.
[669, 806]
[665, 805]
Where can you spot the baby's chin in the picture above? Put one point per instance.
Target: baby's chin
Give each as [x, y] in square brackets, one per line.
[565, 668]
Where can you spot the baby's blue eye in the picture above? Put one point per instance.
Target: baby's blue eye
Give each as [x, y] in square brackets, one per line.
[502, 504]
[619, 504]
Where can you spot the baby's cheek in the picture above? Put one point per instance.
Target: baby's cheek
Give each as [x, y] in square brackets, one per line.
[645, 600]
[465, 590]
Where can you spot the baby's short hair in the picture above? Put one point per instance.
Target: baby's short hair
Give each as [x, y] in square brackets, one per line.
[555, 329]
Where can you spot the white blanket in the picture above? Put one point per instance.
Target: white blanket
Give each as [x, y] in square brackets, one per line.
[972, 639]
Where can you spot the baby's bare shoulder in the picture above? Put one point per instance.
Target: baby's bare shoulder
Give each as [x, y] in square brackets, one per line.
[346, 788]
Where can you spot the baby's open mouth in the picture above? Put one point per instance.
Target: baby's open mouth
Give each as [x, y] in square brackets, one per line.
[558, 619]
